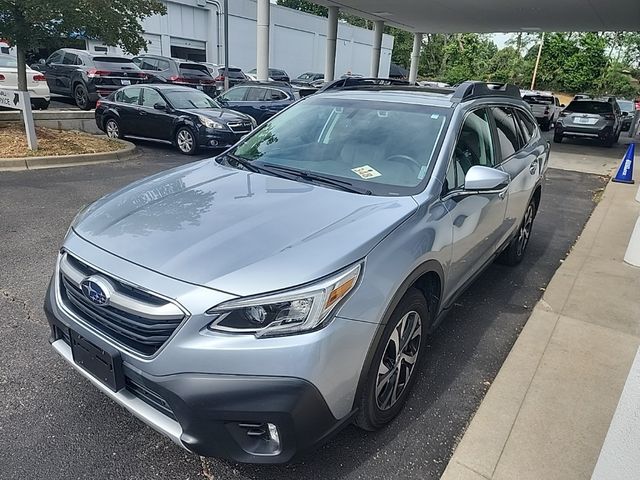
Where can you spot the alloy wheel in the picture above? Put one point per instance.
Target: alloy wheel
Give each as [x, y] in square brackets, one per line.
[398, 360]
[112, 129]
[81, 97]
[525, 231]
[185, 141]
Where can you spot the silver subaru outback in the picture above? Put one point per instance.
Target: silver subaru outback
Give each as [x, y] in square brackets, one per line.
[249, 306]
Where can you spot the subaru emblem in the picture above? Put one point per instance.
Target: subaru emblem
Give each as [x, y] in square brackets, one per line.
[96, 289]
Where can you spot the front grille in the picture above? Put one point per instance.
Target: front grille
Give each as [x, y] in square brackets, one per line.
[240, 127]
[140, 332]
[149, 397]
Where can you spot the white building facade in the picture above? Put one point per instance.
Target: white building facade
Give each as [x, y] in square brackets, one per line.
[193, 29]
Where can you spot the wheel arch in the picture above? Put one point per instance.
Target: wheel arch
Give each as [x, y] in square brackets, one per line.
[429, 279]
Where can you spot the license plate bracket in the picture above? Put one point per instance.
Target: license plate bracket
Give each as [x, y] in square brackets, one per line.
[104, 365]
[125, 82]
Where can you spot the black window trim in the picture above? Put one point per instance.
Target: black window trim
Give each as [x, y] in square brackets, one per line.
[497, 139]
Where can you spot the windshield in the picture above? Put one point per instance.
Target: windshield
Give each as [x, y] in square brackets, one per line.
[626, 105]
[7, 61]
[189, 99]
[584, 106]
[383, 147]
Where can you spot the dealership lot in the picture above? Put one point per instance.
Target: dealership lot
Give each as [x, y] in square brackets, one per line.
[56, 425]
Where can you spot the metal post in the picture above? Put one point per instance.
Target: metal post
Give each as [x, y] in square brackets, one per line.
[332, 37]
[415, 57]
[535, 69]
[226, 45]
[262, 60]
[29, 124]
[377, 47]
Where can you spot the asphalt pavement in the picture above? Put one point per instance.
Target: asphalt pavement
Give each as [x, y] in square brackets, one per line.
[55, 425]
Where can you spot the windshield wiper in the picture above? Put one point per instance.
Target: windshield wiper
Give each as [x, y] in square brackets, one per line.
[251, 167]
[318, 177]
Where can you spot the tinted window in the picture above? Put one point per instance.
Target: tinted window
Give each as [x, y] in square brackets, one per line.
[386, 147]
[114, 63]
[189, 98]
[193, 70]
[626, 105]
[56, 57]
[70, 59]
[146, 63]
[233, 72]
[588, 106]
[150, 97]
[163, 65]
[527, 125]
[507, 131]
[256, 94]
[235, 94]
[275, 95]
[474, 147]
[128, 95]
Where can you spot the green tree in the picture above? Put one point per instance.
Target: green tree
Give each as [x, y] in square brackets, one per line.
[30, 23]
[469, 57]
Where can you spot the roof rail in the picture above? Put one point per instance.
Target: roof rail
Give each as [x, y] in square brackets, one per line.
[474, 89]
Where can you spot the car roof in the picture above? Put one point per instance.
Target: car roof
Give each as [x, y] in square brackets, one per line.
[415, 97]
[274, 83]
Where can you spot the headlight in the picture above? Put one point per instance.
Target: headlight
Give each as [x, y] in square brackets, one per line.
[286, 313]
[207, 122]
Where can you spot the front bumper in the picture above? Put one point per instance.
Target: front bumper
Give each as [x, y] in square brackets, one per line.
[211, 137]
[213, 415]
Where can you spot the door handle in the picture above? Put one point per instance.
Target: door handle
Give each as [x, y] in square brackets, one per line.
[142, 112]
[533, 168]
[262, 107]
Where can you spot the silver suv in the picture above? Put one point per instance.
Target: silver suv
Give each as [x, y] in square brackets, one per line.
[250, 305]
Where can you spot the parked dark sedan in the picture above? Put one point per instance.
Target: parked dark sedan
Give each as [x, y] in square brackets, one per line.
[275, 74]
[86, 77]
[259, 100]
[188, 118]
[177, 72]
[307, 78]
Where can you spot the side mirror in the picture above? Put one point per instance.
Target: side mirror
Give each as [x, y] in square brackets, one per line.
[625, 114]
[480, 178]
[562, 105]
[221, 101]
[160, 106]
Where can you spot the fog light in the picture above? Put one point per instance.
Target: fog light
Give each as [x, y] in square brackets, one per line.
[213, 143]
[273, 434]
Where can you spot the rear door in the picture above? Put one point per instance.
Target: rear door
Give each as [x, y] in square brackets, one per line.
[477, 219]
[234, 98]
[67, 71]
[128, 108]
[154, 123]
[274, 101]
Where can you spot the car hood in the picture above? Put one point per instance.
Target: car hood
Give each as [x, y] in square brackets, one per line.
[236, 231]
[220, 114]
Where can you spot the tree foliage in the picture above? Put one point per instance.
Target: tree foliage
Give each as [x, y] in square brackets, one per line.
[30, 23]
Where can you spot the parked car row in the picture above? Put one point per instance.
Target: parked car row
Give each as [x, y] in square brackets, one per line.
[36, 82]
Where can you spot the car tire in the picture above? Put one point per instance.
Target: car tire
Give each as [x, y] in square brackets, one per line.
[186, 141]
[81, 96]
[557, 138]
[112, 128]
[380, 401]
[514, 253]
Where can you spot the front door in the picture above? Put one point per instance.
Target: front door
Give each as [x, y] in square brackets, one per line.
[154, 123]
[477, 219]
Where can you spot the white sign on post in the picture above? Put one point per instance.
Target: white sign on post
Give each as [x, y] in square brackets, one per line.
[21, 101]
[10, 99]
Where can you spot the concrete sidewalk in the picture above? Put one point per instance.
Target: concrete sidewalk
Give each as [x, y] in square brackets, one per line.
[549, 409]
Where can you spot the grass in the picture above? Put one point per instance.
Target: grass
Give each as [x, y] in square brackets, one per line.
[13, 142]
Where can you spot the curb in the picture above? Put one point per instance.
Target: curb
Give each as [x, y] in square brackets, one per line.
[35, 163]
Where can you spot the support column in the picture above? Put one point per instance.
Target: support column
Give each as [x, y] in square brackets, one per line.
[262, 60]
[332, 37]
[415, 57]
[377, 47]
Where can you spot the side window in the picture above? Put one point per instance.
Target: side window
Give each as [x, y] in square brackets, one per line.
[507, 131]
[474, 147]
[150, 97]
[275, 95]
[70, 59]
[163, 65]
[256, 94]
[130, 95]
[235, 94]
[527, 126]
[56, 57]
